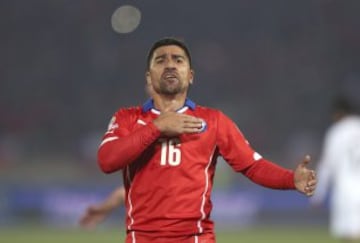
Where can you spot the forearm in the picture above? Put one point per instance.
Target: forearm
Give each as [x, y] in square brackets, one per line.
[117, 152]
[114, 200]
[270, 175]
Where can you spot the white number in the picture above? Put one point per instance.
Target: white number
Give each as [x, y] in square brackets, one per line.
[170, 152]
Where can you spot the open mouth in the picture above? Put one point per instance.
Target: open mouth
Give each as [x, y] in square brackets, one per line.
[170, 77]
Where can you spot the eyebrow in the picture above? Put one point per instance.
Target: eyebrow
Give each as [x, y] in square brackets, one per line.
[172, 56]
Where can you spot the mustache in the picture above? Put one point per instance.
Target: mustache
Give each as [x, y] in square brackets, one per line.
[170, 73]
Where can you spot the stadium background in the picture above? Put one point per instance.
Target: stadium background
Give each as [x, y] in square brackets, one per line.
[272, 66]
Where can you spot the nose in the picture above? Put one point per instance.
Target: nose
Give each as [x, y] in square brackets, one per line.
[170, 63]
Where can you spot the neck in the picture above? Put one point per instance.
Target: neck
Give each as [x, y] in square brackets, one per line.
[169, 103]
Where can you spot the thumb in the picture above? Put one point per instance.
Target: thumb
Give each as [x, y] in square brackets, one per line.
[305, 161]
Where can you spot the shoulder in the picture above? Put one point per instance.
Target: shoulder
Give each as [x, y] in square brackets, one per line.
[345, 128]
[353, 120]
[126, 115]
[214, 115]
[129, 111]
[347, 123]
[207, 110]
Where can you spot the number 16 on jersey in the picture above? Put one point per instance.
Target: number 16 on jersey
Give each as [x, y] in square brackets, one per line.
[170, 152]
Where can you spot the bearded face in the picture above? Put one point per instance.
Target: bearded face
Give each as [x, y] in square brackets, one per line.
[169, 72]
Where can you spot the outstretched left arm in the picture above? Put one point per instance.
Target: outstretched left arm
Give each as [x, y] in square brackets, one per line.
[271, 175]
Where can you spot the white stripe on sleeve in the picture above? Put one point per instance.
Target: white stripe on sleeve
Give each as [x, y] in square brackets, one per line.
[106, 140]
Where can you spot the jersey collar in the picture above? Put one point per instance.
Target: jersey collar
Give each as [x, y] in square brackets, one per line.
[149, 105]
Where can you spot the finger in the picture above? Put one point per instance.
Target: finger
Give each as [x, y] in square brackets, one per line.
[188, 117]
[192, 122]
[192, 130]
[311, 183]
[312, 174]
[305, 161]
[198, 123]
[310, 188]
[193, 125]
[309, 191]
[192, 119]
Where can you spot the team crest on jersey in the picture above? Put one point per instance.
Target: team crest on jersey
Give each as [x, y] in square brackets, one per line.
[203, 126]
[112, 124]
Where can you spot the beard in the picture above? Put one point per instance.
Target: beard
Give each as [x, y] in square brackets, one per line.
[168, 87]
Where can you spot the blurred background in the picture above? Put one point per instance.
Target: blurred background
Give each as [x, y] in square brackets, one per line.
[67, 66]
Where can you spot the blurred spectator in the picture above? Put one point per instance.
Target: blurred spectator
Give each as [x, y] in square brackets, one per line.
[339, 169]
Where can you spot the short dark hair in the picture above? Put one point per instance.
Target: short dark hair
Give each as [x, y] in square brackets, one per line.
[343, 104]
[168, 41]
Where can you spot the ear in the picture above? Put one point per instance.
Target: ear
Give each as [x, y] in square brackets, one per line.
[192, 73]
[148, 78]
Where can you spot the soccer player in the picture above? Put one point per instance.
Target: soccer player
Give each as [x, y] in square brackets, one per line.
[97, 213]
[339, 166]
[167, 149]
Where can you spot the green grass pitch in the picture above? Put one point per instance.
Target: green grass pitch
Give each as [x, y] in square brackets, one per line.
[103, 235]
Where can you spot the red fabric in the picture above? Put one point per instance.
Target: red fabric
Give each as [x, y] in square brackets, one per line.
[270, 175]
[117, 154]
[169, 180]
[140, 237]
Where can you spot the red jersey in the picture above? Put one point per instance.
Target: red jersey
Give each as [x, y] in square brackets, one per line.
[169, 180]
